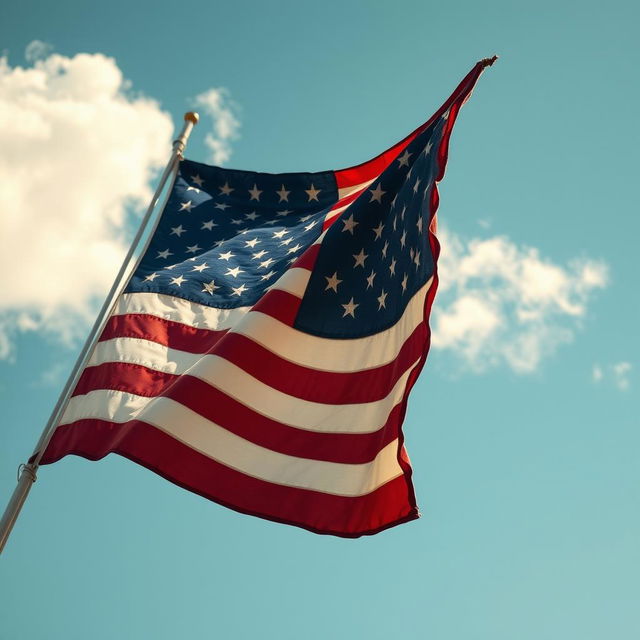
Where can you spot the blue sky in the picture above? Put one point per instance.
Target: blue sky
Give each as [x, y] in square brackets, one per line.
[523, 428]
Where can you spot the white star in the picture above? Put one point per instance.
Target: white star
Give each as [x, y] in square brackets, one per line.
[255, 192]
[266, 276]
[370, 278]
[415, 186]
[305, 218]
[186, 206]
[310, 225]
[392, 267]
[284, 194]
[209, 225]
[179, 280]
[427, 149]
[238, 291]
[197, 179]
[234, 272]
[265, 263]
[251, 216]
[177, 231]
[419, 225]
[349, 224]
[280, 234]
[171, 266]
[395, 222]
[384, 249]
[251, 243]
[411, 253]
[404, 159]
[294, 249]
[200, 267]
[445, 115]
[151, 277]
[360, 258]
[221, 205]
[403, 238]
[209, 287]
[332, 282]
[285, 242]
[402, 213]
[378, 231]
[283, 213]
[313, 193]
[226, 256]
[236, 221]
[349, 308]
[225, 190]
[193, 248]
[259, 254]
[382, 300]
[164, 254]
[193, 189]
[404, 283]
[417, 259]
[376, 194]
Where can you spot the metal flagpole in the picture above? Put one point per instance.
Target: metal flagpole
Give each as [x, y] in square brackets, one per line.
[27, 472]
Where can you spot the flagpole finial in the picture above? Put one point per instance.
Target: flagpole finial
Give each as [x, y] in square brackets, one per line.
[191, 116]
[487, 62]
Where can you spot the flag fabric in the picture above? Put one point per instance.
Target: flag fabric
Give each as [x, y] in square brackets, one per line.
[264, 349]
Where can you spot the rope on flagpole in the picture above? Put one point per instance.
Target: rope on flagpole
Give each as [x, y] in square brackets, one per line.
[27, 473]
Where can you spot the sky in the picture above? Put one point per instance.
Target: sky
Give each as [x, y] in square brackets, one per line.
[523, 428]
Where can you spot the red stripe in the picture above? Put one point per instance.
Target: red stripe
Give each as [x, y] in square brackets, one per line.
[280, 305]
[373, 168]
[318, 512]
[308, 259]
[180, 336]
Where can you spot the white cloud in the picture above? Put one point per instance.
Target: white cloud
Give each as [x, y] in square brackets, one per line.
[618, 373]
[621, 371]
[76, 154]
[499, 303]
[217, 104]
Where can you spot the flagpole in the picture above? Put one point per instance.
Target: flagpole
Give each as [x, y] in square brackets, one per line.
[28, 472]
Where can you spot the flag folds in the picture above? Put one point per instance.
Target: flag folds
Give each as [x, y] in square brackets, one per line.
[263, 350]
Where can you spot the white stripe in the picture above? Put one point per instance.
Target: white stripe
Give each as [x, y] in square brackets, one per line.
[179, 310]
[235, 382]
[294, 280]
[324, 354]
[233, 451]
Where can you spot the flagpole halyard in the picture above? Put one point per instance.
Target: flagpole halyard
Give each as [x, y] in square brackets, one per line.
[28, 471]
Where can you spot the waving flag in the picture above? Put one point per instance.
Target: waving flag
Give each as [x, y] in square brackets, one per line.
[263, 351]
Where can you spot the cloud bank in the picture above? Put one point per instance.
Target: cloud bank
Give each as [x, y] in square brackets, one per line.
[78, 153]
[501, 304]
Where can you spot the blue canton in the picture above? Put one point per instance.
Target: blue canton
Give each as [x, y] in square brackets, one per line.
[225, 236]
[376, 255]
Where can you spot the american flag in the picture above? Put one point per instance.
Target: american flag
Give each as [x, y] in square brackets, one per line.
[263, 350]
